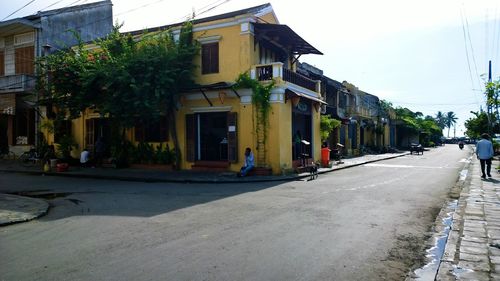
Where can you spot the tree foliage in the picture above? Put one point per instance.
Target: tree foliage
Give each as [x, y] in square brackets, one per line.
[477, 125]
[427, 127]
[327, 125]
[123, 78]
[450, 120]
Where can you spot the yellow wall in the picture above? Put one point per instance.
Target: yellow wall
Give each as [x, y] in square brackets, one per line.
[237, 54]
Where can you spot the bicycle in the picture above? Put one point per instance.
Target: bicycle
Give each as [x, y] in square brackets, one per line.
[30, 158]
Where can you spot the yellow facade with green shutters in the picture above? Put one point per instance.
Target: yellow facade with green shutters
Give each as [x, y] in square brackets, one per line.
[214, 122]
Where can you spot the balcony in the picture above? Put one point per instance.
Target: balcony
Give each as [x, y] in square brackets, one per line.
[17, 83]
[275, 71]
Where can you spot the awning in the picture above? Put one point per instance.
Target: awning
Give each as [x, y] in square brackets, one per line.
[284, 36]
[289, 94]
[211, 87]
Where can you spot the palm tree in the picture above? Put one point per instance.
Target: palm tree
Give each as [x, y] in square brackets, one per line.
[450, 120]
[440, 120]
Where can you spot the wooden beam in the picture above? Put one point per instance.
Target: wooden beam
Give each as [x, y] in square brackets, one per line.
[205, 95]
[236, 93]
[296, 59]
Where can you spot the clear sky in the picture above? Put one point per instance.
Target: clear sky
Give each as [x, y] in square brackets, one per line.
[427, 55]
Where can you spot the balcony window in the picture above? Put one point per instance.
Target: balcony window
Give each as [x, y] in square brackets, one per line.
[25, 60]
[210, 58]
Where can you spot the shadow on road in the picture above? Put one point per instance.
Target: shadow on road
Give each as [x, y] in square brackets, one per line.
[83, 197]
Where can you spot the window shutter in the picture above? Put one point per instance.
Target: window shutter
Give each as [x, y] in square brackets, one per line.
[232, 137]
[205, 59]
[215, 58]
[25, 60]
[210, 58]
[190, 137]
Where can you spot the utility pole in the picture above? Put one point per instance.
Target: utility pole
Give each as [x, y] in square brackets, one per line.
[489, 94]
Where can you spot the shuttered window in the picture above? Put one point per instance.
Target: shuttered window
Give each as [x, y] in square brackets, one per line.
[25, 60]
[190, 137]
[232, 137]
[210, 58]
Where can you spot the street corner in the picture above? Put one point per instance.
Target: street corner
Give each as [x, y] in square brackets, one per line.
[16, 209]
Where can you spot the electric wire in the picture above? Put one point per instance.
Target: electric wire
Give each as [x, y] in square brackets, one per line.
[216, 5]
[467, 53]
[55, 3]
[471, 46]
[18, 10]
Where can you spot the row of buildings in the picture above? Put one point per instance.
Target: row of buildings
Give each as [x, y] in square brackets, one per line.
[214, 121]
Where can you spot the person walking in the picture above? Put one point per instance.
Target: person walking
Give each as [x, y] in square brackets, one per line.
[484, 152]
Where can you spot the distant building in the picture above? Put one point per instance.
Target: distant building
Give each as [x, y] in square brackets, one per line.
[22, 41]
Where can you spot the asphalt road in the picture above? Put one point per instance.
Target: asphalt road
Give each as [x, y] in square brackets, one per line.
[365, 223]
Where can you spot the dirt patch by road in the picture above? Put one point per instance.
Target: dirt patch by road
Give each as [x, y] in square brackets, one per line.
[409, 250]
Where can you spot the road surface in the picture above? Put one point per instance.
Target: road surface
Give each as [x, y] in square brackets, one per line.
[370, 222]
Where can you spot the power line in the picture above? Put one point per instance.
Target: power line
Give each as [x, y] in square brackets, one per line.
[55, 3]
[471, 46]
[131, 10]
[496, 35]
[467, 53]
[18, 10]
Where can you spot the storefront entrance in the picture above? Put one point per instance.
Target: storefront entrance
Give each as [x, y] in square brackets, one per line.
[211, 137]
[301, 131]
[96, 128]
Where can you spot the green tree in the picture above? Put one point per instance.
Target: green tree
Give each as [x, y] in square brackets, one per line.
[478, 125]
[440, 120]
[450, 120]
[414, 123]
[327, 124]
[124, 79]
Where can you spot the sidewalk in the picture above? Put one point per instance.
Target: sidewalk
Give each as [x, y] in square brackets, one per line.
[14, 209]
[472, 251]
[145, 175]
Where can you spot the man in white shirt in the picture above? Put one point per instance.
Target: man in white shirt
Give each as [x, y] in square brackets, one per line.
[484, 152]
[84, 158]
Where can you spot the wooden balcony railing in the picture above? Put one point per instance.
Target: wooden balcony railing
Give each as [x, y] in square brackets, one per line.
[276, 70]
[298, 79]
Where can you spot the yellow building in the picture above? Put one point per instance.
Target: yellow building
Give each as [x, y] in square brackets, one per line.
[215, 123]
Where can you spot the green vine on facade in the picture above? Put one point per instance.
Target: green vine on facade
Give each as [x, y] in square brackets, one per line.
[260, 99]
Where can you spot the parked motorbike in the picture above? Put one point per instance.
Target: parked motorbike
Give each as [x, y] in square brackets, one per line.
[461, 145]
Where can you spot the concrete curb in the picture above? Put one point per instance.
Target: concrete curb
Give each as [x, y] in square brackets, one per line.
[17, 209]
[184, 180]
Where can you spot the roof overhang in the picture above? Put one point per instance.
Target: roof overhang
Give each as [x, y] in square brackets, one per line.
[284, 36]
[290, 94]
[16, 26]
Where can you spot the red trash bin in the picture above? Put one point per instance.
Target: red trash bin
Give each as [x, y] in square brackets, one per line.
[325, 157]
